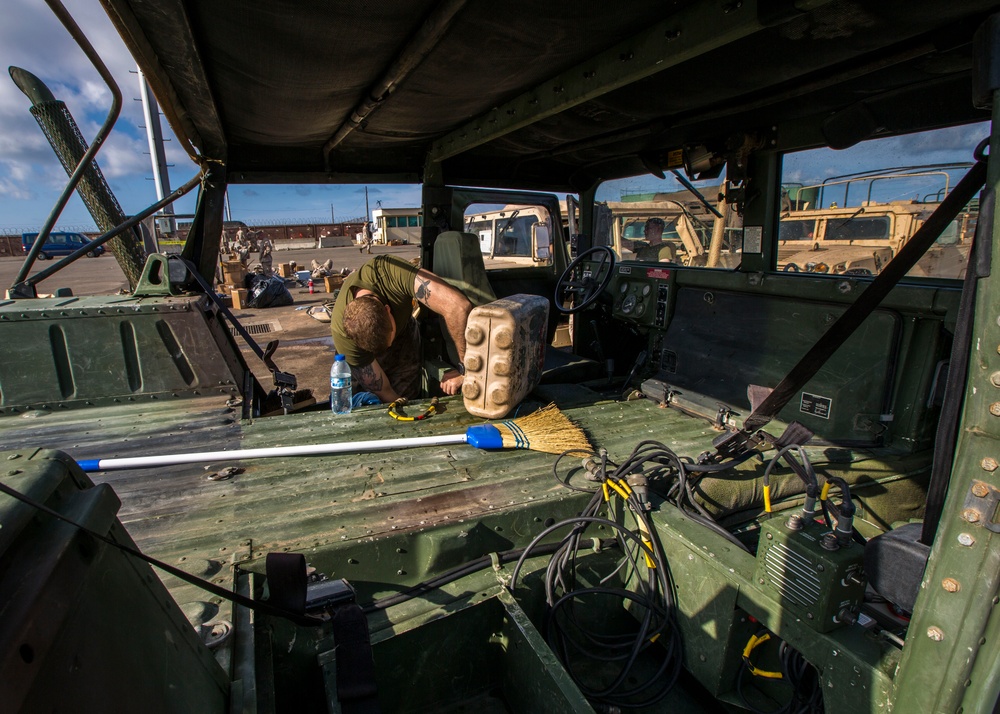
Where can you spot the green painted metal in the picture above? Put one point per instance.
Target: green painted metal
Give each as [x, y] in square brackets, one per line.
[691, 31]
[85, 627]
[947, 642]
[68, 353]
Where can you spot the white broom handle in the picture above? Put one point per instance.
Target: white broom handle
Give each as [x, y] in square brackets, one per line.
[240, 454]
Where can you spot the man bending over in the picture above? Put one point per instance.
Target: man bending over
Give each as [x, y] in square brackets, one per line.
[373, 327]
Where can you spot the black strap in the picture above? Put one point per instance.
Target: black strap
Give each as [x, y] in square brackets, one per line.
[866, 303]
[356, 688]
[259, 605]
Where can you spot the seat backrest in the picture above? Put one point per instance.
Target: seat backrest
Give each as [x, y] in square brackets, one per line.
[459, 261]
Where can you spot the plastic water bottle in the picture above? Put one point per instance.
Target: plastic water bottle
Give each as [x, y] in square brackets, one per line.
[340, 386]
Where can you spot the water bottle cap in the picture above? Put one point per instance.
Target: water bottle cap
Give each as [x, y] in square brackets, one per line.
[339, 358]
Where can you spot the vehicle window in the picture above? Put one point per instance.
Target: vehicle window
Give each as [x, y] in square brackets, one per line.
[511, 235]
[797, 230]
[852, 228]
[657, 220]
[850, 211]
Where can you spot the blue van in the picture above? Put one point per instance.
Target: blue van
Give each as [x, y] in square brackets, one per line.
[60, 244]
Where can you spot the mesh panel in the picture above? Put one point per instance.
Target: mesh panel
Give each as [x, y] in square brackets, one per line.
[64, 135]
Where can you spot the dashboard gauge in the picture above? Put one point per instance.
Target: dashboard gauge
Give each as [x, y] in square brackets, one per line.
[628, 304]
[623, 288]
[639, 310]
[646, 290]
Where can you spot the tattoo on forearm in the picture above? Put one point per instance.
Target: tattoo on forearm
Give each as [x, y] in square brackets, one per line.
[423, 289]
[369, 378]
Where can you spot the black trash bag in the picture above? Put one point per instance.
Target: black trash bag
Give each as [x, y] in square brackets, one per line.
[264, 291]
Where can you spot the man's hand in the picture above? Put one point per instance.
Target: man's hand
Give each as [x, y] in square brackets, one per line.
[451, 382]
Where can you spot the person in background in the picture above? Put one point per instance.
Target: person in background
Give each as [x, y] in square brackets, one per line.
[368, 239]
[373, 327]
[654, 249]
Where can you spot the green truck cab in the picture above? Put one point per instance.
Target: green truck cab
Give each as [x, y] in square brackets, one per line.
[790, 503]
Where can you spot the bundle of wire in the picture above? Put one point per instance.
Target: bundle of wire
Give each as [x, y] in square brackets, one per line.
[634, 668]
[795, 672]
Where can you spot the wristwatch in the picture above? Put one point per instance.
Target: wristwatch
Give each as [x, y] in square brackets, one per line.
[461, 368]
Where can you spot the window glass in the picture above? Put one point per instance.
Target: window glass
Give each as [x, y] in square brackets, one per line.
[854, 228]
[658, 220]
[412, 221]
[511, 235]
[850, 211]
[797, 229]
[390, 222]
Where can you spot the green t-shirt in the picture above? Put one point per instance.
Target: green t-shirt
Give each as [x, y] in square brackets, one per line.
[389, 277]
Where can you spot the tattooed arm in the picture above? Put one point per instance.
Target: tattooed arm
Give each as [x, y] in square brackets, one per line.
[371, 378]
[454, 307]
[446, 301]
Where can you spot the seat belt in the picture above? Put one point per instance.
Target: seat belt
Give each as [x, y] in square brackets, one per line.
[807, 367]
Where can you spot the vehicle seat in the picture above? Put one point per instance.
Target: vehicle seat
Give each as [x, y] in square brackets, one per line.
[458, 261]
[895, 562]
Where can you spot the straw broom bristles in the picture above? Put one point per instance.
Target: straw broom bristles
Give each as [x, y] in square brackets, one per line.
[547, 430]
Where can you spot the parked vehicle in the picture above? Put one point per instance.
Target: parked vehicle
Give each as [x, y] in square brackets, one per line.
[788, 501]
[60, 243]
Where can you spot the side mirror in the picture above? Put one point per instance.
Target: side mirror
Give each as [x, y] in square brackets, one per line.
[541, 243]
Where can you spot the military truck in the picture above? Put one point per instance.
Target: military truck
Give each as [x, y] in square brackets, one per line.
[789, 498]
[860, 237]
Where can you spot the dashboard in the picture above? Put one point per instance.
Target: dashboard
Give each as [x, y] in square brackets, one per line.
[640, 293]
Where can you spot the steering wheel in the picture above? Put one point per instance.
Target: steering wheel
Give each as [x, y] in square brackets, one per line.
[588, 288]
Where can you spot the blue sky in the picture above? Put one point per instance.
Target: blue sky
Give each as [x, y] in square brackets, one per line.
[31, 177]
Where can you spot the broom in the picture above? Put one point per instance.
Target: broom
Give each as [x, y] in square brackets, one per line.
[547, 430]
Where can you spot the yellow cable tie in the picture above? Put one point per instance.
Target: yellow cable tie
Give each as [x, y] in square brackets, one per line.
[650, 563]
[654, 638]
[825, 492]
[617, 489]
[752, 644]
[607, 495]
[628, 489]
[767, 498]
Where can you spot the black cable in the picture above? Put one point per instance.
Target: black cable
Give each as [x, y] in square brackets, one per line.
[798, 674]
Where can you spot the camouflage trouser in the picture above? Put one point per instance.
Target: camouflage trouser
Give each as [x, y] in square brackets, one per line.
[401, 362]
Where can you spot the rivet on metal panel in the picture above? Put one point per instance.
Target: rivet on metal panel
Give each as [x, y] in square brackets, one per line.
[995, 377]
[935, 633]
[971, 515]
[995, 408]
[966, 540]
[989, 464]
[951, 585]
[979, 489]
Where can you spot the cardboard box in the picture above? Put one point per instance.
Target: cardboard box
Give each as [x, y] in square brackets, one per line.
[239, 296]
[333, 282]
[233, 273]
[284, 270]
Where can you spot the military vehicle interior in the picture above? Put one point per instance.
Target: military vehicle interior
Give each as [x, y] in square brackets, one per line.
[698, 559]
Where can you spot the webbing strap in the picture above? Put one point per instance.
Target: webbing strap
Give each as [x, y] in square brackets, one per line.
[866, 303]
[259, 605]
[356, 688]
